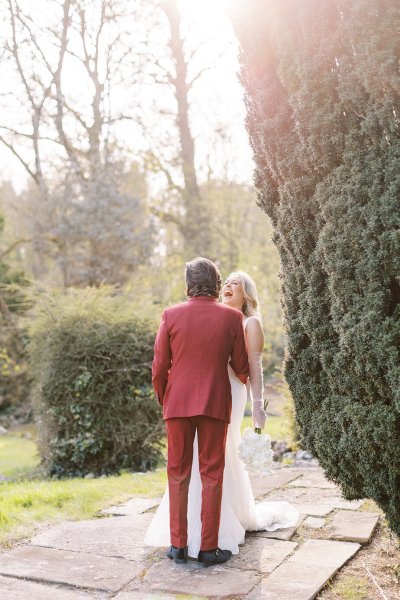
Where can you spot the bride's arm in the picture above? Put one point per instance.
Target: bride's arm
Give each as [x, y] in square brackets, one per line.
[255, 345]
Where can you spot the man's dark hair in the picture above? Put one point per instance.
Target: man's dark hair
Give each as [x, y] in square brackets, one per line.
[202, 278]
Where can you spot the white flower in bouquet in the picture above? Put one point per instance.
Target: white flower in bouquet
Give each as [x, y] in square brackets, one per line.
[256, 452]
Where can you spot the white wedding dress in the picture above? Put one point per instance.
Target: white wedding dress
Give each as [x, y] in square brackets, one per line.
[239, 512]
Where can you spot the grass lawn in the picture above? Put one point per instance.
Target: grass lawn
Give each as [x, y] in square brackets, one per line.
[276, 427]
[18, 456]
[26, 504]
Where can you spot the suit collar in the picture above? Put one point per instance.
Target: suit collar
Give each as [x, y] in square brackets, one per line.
[207, 298]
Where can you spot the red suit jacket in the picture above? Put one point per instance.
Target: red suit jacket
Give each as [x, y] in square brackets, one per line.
[194, 343]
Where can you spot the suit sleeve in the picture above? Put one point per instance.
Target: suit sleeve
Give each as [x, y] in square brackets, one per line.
[239, 359]
[162, 360]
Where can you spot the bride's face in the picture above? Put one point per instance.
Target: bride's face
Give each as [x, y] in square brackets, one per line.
[232, 293]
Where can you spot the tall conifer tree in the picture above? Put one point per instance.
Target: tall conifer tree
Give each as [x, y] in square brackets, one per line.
[322, 87]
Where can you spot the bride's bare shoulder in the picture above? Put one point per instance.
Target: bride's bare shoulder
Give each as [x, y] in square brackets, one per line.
[254, 335]
[253, 324]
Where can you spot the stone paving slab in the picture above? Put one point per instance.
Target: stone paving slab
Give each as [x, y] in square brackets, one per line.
[314, 522]
[340, 502]
[154, 596]
[261, 554]
[21, 589]
[314, 479]
[113, 536]
[72, 568]
[263, 485]
[306, 572]
[353, 526]
[220, 581]
[279, 534]
[315, 510]
[310, 508]
[316, 504]
[135, 506]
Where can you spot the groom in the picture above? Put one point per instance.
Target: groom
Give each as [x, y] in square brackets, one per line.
[194, 344]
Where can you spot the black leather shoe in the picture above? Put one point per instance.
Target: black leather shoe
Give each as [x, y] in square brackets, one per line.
[179, 555]
[207, 558]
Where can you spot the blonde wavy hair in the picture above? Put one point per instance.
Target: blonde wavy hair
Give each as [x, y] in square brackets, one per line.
[251, 305]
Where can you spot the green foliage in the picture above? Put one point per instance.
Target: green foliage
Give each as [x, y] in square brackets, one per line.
[323, 97]
[14, 381]
[12, 281]
[90, 358]
[14, 384]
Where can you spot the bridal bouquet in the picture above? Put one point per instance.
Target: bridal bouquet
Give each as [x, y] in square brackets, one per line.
[255, 451]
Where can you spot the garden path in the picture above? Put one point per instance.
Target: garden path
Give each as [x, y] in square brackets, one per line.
[104, 558]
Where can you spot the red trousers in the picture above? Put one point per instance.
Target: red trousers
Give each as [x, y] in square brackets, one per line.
[211, 434]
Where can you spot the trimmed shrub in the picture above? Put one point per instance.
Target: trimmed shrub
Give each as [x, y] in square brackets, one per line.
[90, 358]
[323, 96]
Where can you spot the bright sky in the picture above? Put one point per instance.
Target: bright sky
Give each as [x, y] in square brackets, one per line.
[217, 97]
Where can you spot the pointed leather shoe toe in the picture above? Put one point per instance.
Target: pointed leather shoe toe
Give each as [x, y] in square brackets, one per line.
[207, 558]
[179, 555]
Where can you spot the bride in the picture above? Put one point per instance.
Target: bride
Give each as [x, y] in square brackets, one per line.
[239, 512]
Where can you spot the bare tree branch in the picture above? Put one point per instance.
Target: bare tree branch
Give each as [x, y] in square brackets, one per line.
[32, 38]
[167, 217]
[15, 53]
[25, 241]
[199, 73]
[154, 163]
[19, 157]
[60, 100]
[29, 135]
[98, 34]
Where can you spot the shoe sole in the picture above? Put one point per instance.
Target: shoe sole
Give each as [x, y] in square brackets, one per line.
[180, 561]
[212, 564]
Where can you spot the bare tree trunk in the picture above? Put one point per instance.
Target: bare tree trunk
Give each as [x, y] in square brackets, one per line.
[196, 225]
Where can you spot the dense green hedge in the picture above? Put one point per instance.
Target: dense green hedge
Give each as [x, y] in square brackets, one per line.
[90, 357]
[323, 96]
